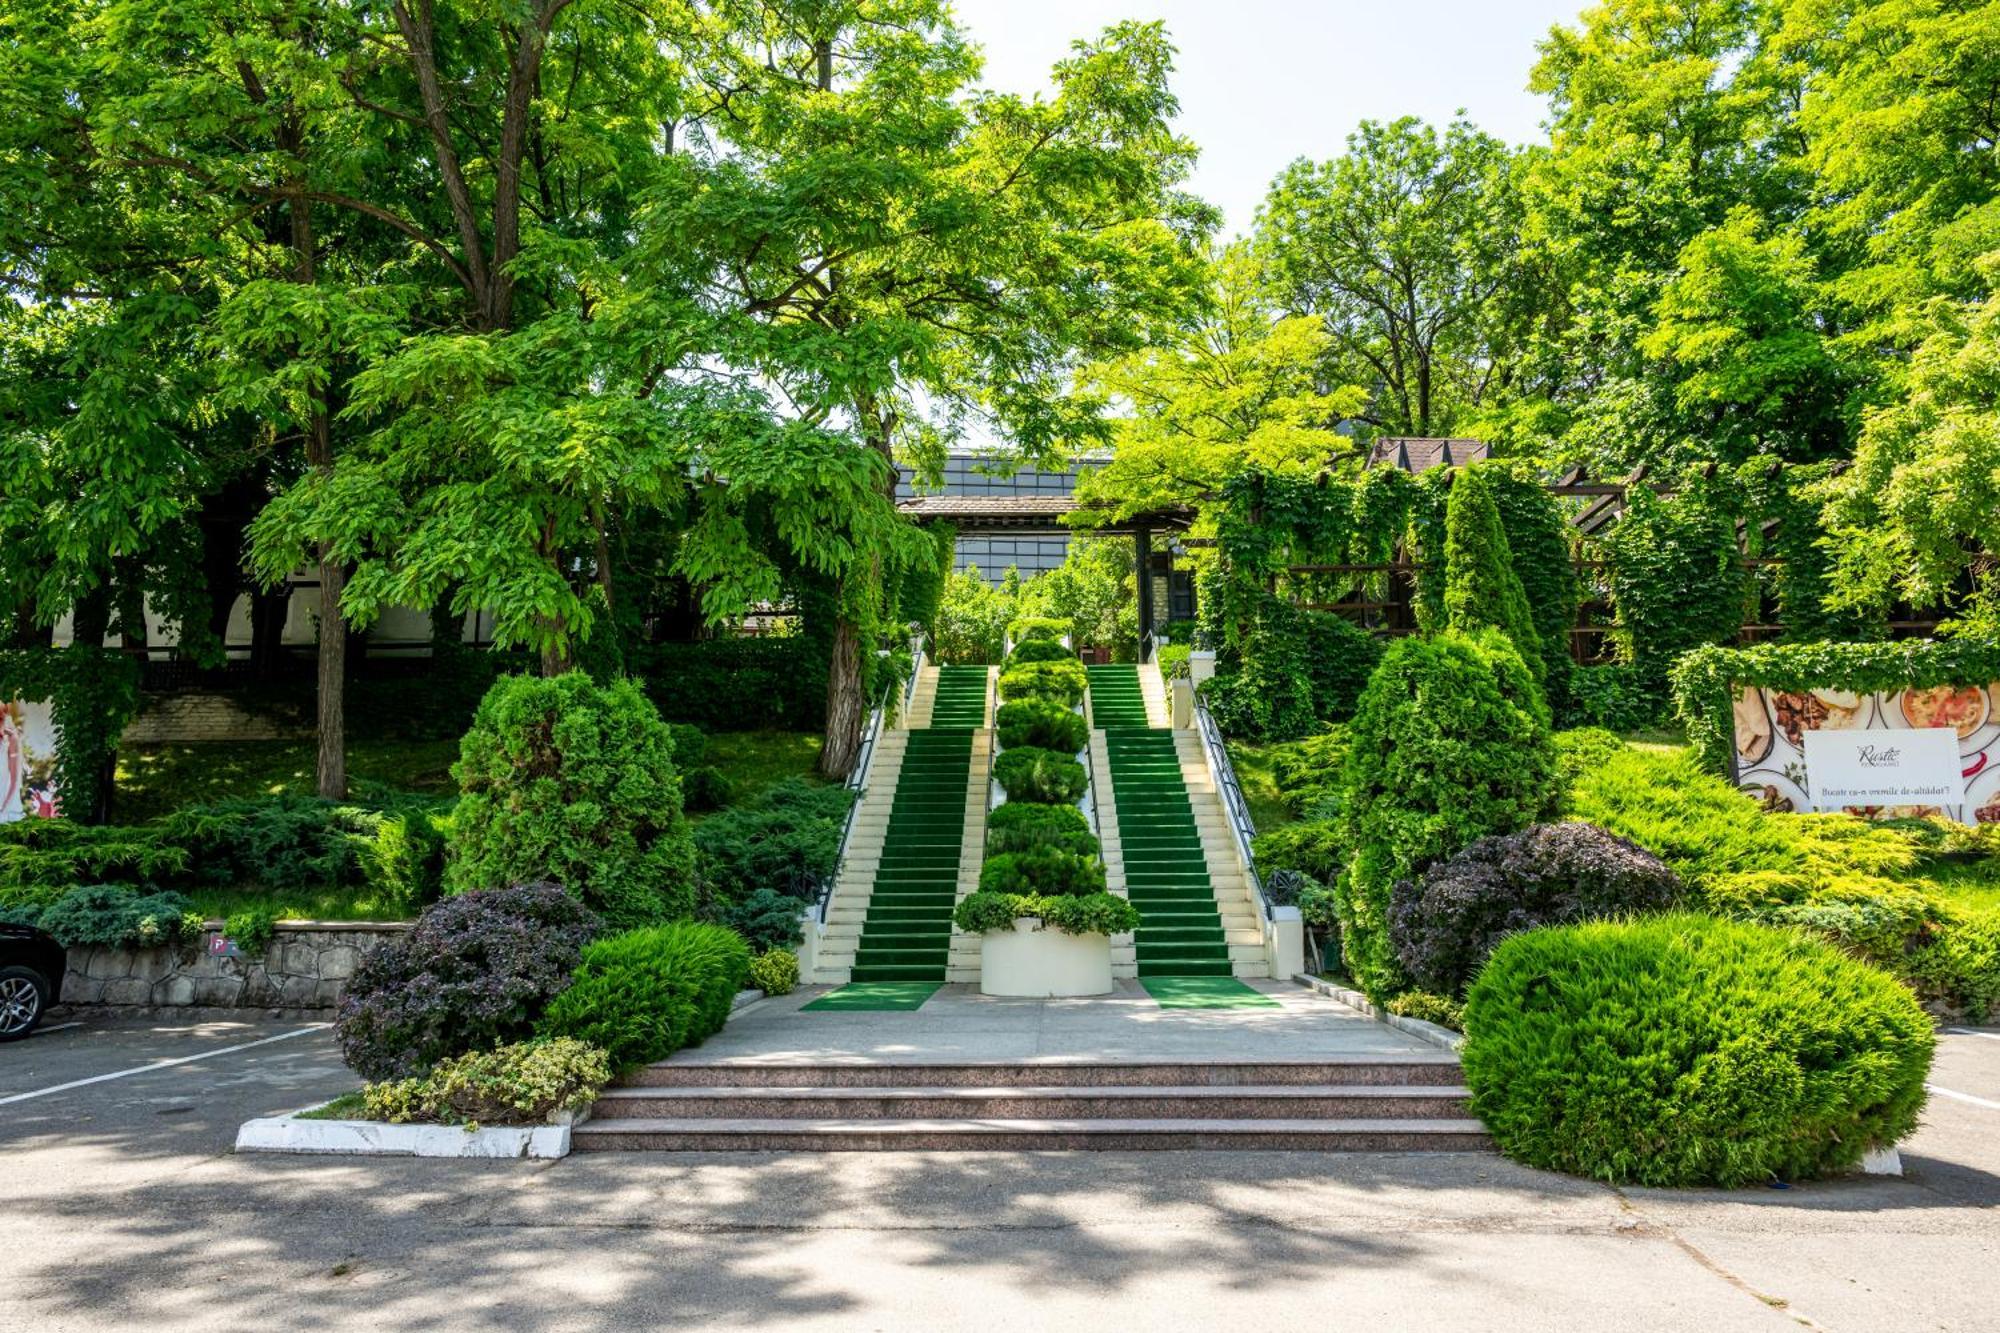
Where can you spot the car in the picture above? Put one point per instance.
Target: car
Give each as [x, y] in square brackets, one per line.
[31, 977]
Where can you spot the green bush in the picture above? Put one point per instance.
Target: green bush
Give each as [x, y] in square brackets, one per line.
[1314, 848]
[1030, 773]
[971, 622]
[1308, 773]
[775, 972]
[1039, 650]
[115, 916]
[1481, 589]
[645, 994]
[251, 929]
[572, 781]
[1685, 1050]
[1020, 826]
[1439, 1009]
[1046, 629]
[706, 788]
[1043, 723]
[707, 683]
[1064, 682]
[522, 1084]
[1083, 914]
[783, 841]
[1614, 696]
[1173, 660]
[1450, 743]
[1042, 870]
[766, 919]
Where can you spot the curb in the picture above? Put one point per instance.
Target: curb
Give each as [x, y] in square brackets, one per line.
[374, 1138]
[1443, 1038]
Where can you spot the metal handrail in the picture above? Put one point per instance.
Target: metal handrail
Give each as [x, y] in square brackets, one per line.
[857, 778]
[1240, 823]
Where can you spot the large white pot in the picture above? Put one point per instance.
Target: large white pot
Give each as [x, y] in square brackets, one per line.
[1030, 961]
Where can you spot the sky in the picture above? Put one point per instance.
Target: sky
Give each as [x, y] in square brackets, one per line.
[1262, 82]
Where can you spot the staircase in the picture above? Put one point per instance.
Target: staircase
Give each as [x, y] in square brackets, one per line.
[1368, 1103]
[961, 697]
[1116, 701]
[1166, 871]
[906, 933]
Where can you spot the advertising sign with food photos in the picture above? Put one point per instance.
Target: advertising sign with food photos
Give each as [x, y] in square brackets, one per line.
[1771, 726]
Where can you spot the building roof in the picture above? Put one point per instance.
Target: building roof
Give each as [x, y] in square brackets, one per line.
[1414, 453]
[975, 514]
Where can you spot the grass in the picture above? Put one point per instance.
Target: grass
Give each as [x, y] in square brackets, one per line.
[1972, 885]
[1252, 763]
[347, 1106]
[758, 760]
[154, 780]
[356, 902]
[1659, 740]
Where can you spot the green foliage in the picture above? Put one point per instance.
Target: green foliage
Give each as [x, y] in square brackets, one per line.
[1293, 669]
[1538, 543]
[1172, 659]
[972, 618]
[1020, 826]
[783, 841]
[92, 693]
[1038, 629]
[1314, 848]
[1661, 552]
[775, 972]
[645, 994]
[707, 683]
[113, 916]
[1043, 723]
[1450, 743]
[1048, 871]
[706, 788]
[1093, 593]
[251, 929]
[1687, 1051]
[1481, 589]
[1038, 650]
[524, 1083]
[1028, 773]
[766, 919]
[1614, 696]
[1096, 913]
[1703, 681]
[568, 780]
[1439, 1009]
[1064, 681]
[1308, 773]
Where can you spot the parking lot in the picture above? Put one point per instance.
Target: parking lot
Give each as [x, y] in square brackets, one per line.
[126, 1208]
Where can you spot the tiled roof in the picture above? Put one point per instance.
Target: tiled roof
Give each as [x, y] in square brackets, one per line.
[1416, 453]
[997, 508]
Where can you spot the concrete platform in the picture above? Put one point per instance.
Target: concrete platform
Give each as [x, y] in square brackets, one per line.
[959, 1025]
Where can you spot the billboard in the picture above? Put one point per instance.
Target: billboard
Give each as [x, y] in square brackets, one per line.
[1771, 755]
[27, 761]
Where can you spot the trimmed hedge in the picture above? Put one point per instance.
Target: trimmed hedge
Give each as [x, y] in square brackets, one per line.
[645, 994]
[708, 683]
[1030, 773]
[1446, 922]
[1702, 680]
[1020, 826]
[1039, 650]
[1072, 914]
[572, 781]
[1450, 744]
[1049, 629]
[1064, 682]
[1042, 870]
[1687, 1050]
[1043, 723]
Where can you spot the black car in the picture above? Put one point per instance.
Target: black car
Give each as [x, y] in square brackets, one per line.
[31, 977]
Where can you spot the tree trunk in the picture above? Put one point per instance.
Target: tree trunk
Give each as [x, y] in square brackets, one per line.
[332, 684]
[843, 702]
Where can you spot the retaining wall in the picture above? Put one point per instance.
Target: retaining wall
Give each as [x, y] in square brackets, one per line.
[306, 966]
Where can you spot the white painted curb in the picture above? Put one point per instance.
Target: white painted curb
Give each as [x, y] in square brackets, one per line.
[1441, 1037]
[375, 1138]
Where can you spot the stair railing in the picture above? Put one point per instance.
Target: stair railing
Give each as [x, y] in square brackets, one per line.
[857, 781]
[1241, 826]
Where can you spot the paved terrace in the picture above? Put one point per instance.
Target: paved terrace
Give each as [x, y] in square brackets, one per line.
[958, 1024]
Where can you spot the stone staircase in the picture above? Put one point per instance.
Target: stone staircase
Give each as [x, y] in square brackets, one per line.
[1362, 1103]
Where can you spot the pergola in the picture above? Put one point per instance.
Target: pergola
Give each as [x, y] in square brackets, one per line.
[1043, 516]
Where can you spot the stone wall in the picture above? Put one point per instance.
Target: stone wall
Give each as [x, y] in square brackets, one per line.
[305, 967]
[203, 717]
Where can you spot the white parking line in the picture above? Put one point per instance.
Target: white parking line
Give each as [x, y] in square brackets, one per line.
[1968, 1032]
[159, 1064]
[1962, 1097]
[58, 1027]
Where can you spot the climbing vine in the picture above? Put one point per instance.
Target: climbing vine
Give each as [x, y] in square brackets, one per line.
[1676, 576]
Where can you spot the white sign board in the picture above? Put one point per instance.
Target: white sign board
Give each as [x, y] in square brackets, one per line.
[1906, 766]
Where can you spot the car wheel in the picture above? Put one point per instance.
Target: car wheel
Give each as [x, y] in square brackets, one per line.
[23, 996]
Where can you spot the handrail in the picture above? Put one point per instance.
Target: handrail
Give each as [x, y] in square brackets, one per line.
[1240, 823]
[857, 778]
[1148, 645]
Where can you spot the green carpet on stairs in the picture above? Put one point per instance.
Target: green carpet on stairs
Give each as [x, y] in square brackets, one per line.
[874, 996]
[961, 697]
[1205, 993]
[1166, 874]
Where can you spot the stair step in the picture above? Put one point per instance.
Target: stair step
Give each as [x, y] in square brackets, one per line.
[1300, 1102]
[1426, 1068]
[720, 1135]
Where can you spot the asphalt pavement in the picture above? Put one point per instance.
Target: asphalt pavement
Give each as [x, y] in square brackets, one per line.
[126, 1209]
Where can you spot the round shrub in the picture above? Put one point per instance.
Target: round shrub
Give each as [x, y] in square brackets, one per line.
[1081, 914]
[1030, 773]
[473, 972]
[1450, 743]
[1019, 826]
[644, 994]
[1687, 1050]
[1064, 682]
[1046, 629]
[766, 919]
[776, 972]
[1038, 650]
[1043, 723]
[570, 781]
[1043, 870]
[1445, 922]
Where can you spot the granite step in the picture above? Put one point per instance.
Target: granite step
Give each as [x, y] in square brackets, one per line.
[1298, 1102]
[850, 1135]
[1425, 1068]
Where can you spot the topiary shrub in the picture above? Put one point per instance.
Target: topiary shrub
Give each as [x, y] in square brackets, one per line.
[645, 994]
[775, 972]
[1042, 870]
[1045, 629]
[1445, 922]
[473, 972]
[1064, 682]
[571, 781]
[522, 1084]
[1043, 723]
[1688, 1050]
[1072, 914]
[1039, 650]
[1020, 826]
[1030, 773]
[1450, 744]
[1481, 589]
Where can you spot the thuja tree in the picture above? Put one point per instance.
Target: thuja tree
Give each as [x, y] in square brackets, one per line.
[1450, 743]
[1481, 589]
[900, 253]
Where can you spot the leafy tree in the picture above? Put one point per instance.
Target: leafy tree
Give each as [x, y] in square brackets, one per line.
[972, 617]
[1399, 247]
[1094, 590]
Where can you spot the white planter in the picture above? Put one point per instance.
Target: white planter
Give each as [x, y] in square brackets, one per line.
[1040, 964]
